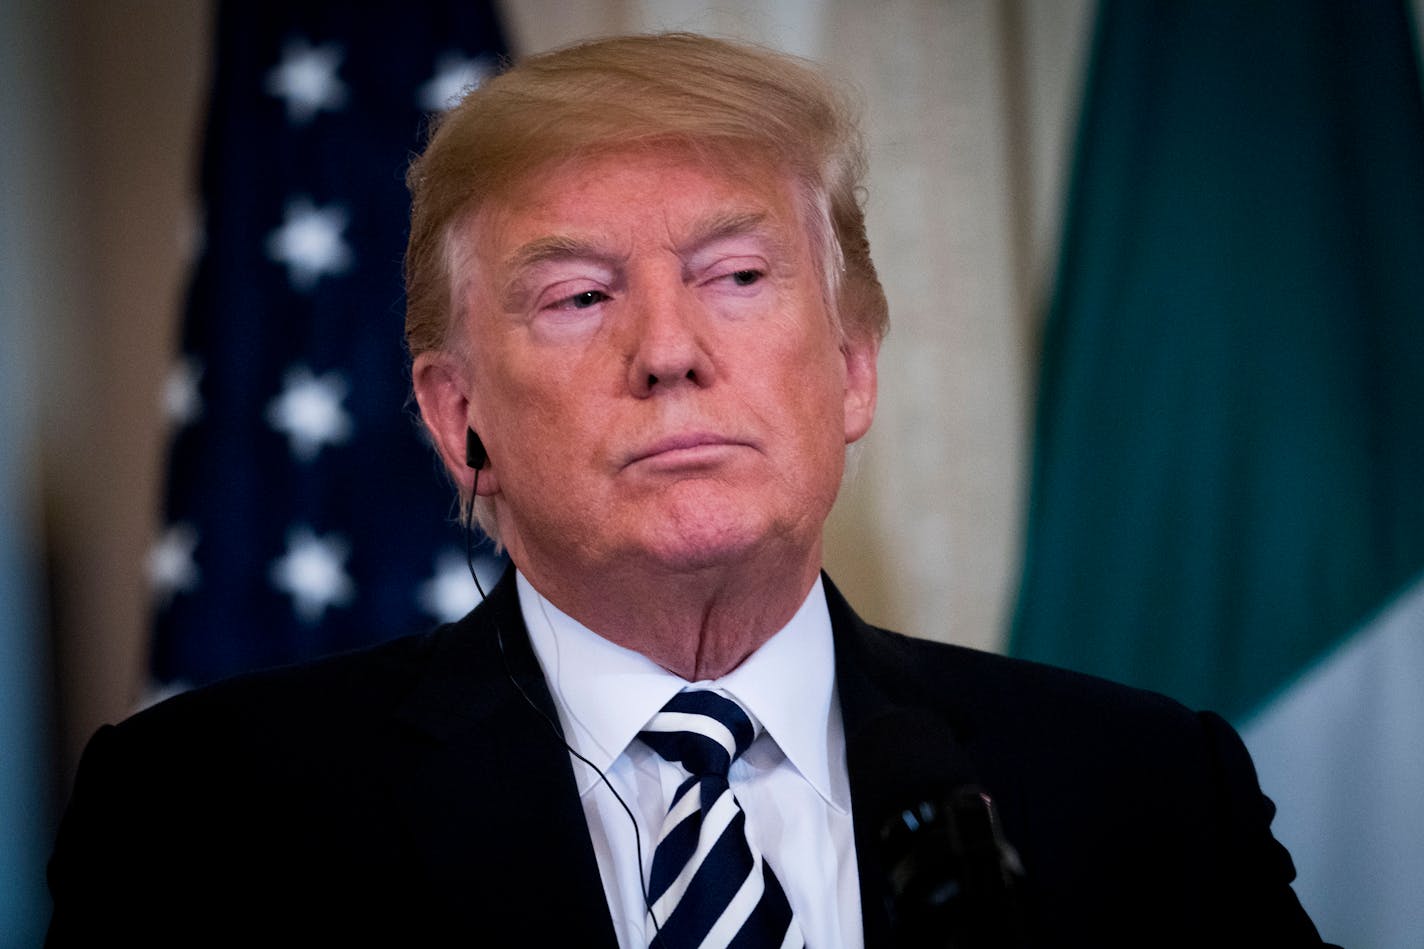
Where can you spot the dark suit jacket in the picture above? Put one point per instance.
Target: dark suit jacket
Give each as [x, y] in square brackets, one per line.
[408, 794]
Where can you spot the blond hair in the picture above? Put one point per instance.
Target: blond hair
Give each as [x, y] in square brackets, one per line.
[722, 97]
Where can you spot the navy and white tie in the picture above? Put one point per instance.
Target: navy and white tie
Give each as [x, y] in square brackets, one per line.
[708, 886]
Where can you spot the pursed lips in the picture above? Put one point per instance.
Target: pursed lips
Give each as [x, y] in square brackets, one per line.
[683, 444]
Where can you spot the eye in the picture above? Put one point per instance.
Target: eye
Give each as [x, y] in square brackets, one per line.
[745, 278]
[581, 301]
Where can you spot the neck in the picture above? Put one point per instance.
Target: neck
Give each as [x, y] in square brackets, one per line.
[697, 623]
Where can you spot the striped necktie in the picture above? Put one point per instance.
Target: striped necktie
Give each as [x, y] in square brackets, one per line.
[708, 886]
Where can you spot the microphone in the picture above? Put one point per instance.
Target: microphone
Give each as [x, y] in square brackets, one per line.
[950, 877]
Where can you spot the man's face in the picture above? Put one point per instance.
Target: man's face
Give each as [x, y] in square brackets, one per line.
[653, 369]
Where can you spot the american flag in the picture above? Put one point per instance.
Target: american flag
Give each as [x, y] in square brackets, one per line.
[305, 513]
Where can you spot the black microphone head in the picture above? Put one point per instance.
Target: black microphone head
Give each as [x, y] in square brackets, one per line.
[948, 874]
[475, 455]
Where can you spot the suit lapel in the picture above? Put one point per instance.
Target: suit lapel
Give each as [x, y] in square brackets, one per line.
[880, 682]
[489, 794]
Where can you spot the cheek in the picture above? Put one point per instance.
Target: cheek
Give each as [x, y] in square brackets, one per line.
[808, 394]
[521, 412]
[558, 426]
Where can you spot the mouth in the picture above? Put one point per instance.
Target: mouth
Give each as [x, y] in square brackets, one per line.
[685, 449]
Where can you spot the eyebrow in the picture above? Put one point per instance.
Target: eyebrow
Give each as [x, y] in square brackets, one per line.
[561, 247]
[726, 224]
[556, 247]
[760, 225]
[545, 250]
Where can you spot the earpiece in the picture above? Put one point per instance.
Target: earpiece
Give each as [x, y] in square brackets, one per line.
[475, 455]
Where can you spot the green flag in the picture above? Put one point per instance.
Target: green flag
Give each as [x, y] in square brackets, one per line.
[1228, 481]
[1229, 460]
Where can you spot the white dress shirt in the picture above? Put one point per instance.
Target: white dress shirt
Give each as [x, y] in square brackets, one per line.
[792, 782]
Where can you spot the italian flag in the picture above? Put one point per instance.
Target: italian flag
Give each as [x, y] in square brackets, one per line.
[1227, 499]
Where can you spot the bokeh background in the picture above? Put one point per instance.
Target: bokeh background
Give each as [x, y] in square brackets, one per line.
[1017, 356]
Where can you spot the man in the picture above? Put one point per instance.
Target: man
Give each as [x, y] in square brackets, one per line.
[644, 323]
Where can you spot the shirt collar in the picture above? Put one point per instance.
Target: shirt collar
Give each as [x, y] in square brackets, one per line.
[606, 693]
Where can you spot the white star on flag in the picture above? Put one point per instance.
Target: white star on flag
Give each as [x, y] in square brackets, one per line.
[313, 573]
[306, 79]
[450, 594]
[170, 565]
[309, 411]
[182, 403]
[309, 243]
[455, 76]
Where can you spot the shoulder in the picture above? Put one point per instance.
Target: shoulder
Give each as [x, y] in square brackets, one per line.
[304, 737]
[334, 697]
[364, 683]
[978, 686]
[244, 735]
[1017, 711]
[1036, 732]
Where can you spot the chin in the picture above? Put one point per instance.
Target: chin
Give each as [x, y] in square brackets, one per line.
[710, 537]
[699, 549]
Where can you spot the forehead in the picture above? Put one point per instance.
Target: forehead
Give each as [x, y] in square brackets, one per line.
[654, 194]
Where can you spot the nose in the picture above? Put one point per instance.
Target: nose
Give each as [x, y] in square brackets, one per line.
[669, 349]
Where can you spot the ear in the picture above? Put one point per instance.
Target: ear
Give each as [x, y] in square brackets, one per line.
[861, 353]
[441, 383]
